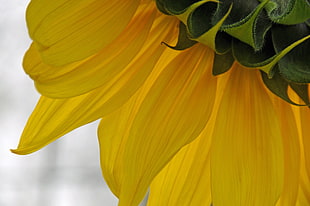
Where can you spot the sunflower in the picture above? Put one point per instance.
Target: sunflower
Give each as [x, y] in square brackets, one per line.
[202, 102]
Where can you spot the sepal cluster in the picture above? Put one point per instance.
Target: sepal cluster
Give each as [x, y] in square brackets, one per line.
[270, 35]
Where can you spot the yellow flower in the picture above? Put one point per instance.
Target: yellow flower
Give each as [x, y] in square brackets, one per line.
[215, 123]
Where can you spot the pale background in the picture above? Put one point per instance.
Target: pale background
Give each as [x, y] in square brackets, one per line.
[65, 173]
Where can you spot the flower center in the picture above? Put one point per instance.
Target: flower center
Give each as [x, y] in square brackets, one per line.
[270, 35]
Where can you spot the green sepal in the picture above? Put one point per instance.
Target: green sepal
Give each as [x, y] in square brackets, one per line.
[240, 10]
[288, 12]
[184, 14]
[302, 91]
[247, 57]
[247, 21]
[199, 20]
[223, 42]
[161, 7]
[308, 22]
[207, 33]
[222, 63]
[178, 7]
[294, 66]
[268, 57]
[279, 86]
[184, 41]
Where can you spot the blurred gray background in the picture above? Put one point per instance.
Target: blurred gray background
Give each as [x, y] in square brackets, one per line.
[65, 173]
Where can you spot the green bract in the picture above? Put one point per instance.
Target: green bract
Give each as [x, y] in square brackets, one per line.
[270, 35]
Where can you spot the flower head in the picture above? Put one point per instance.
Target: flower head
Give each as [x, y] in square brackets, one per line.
[219, 118]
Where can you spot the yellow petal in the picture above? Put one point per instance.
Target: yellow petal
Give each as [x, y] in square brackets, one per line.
[305, 119]
[302, 120]
[291, 152]
[304, 188]
[302, 199]
[53, 118]
[304, 194]
[167, 114]
[76, 29]
[246, 151]
[114, 127]
[84, 76]
[112, 135]
[173, 113]
[186, 178]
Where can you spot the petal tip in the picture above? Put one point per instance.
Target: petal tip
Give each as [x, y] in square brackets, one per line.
[25, 150]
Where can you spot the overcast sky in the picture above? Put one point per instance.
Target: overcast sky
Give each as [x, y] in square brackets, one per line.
[60, 174]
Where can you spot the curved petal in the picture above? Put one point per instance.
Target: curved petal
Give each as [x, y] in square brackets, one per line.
[304, 120]
[76, 29]
[114, 127]
[172, 114]
[185, 180]
[291, 152]
[304, 197]
[113, 134]
[81, 77]
[171, 110]
[304, 188]
[246, 151]
[53, 118]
